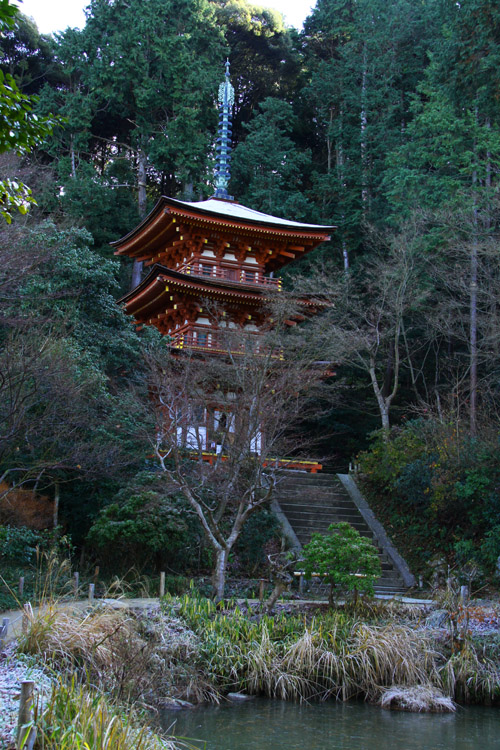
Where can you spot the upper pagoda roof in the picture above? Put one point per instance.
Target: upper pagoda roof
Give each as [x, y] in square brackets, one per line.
[213, 213]
[234, 210]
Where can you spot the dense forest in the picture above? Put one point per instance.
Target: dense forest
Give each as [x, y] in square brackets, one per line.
[381, 117]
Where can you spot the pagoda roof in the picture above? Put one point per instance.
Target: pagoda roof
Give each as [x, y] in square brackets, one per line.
[213, 213]
[154, 291]
[234, 210]
[155, 288]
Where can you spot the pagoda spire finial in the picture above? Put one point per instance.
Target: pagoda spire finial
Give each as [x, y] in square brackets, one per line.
[222, 171]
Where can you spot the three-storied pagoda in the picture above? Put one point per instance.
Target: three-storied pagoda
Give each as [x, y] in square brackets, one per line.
[213, 250]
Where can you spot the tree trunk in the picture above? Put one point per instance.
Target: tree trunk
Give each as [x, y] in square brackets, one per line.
[73, 159]
[142, 203]
[279, 588]
[473, 313]
[55, 516]
[345, 255]
[384, 402]
[363, 146]
[219, 574]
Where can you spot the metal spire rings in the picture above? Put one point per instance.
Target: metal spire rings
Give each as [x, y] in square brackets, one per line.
[222, 172]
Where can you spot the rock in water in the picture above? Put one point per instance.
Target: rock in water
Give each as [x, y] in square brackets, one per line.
[174, 704]
[239, 697]
[421, 698]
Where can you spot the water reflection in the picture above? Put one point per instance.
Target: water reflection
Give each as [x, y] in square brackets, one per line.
[274, 725]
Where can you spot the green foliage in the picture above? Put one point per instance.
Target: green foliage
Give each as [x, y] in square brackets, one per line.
[268, 168]
[292, 657]
[139, 525]
[437, 489]
[19, 545]
[343, 558]
[8, 15]
[365, 59]
[75, 716]
[259, 531]
[140, 81]
[74, 289]
[20, 128]
[20, 131]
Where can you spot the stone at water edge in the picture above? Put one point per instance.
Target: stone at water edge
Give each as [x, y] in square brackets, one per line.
[239, 697]
[175, 704]
[417, 699]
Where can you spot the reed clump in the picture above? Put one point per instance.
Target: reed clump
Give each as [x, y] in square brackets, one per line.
[287, 657]
[76, 717]
[335, 654]
[471, 677]
[132, 657]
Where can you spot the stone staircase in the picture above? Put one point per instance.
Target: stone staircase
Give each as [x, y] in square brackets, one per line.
[307, 503]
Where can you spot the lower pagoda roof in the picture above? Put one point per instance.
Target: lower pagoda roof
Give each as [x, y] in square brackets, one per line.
[155, 291]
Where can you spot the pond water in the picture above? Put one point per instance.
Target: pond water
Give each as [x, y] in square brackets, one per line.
[263, 724]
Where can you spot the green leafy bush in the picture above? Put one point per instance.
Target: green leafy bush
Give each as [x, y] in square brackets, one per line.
[343, 558]
[19, 545]
[437, 490]
[147, 527]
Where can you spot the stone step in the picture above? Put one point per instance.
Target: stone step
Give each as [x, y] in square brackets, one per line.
[312, 502]
[316, 504]
[310, 480]
[323, 514]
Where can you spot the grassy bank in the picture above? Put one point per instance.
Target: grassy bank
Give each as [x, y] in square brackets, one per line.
[109, 669]
[339, 653]
[198, 651]
[114, 667]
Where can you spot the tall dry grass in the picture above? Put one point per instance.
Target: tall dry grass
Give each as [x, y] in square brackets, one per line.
[143, 658]
[336, 654]
[198, 650]
[76, 718]
[470, 677]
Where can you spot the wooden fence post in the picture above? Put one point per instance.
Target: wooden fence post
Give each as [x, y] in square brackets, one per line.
[27, 610]
[26, 732]
[162, 584]
[76, 583]
[261, 589]
[4, 630]
[91, 593]
[301, 584]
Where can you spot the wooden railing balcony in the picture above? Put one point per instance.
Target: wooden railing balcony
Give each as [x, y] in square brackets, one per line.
[239, 276]
[218, 342]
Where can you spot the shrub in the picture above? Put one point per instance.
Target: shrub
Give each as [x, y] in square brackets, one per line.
[344, 558]
[143, 525]
[437, 491]
[19, 545]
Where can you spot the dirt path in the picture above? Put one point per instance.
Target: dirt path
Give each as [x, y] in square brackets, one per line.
[15, 616]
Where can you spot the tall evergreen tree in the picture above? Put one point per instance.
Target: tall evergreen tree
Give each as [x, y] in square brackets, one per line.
[269, 169]
[448, 168]
[366, 59]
